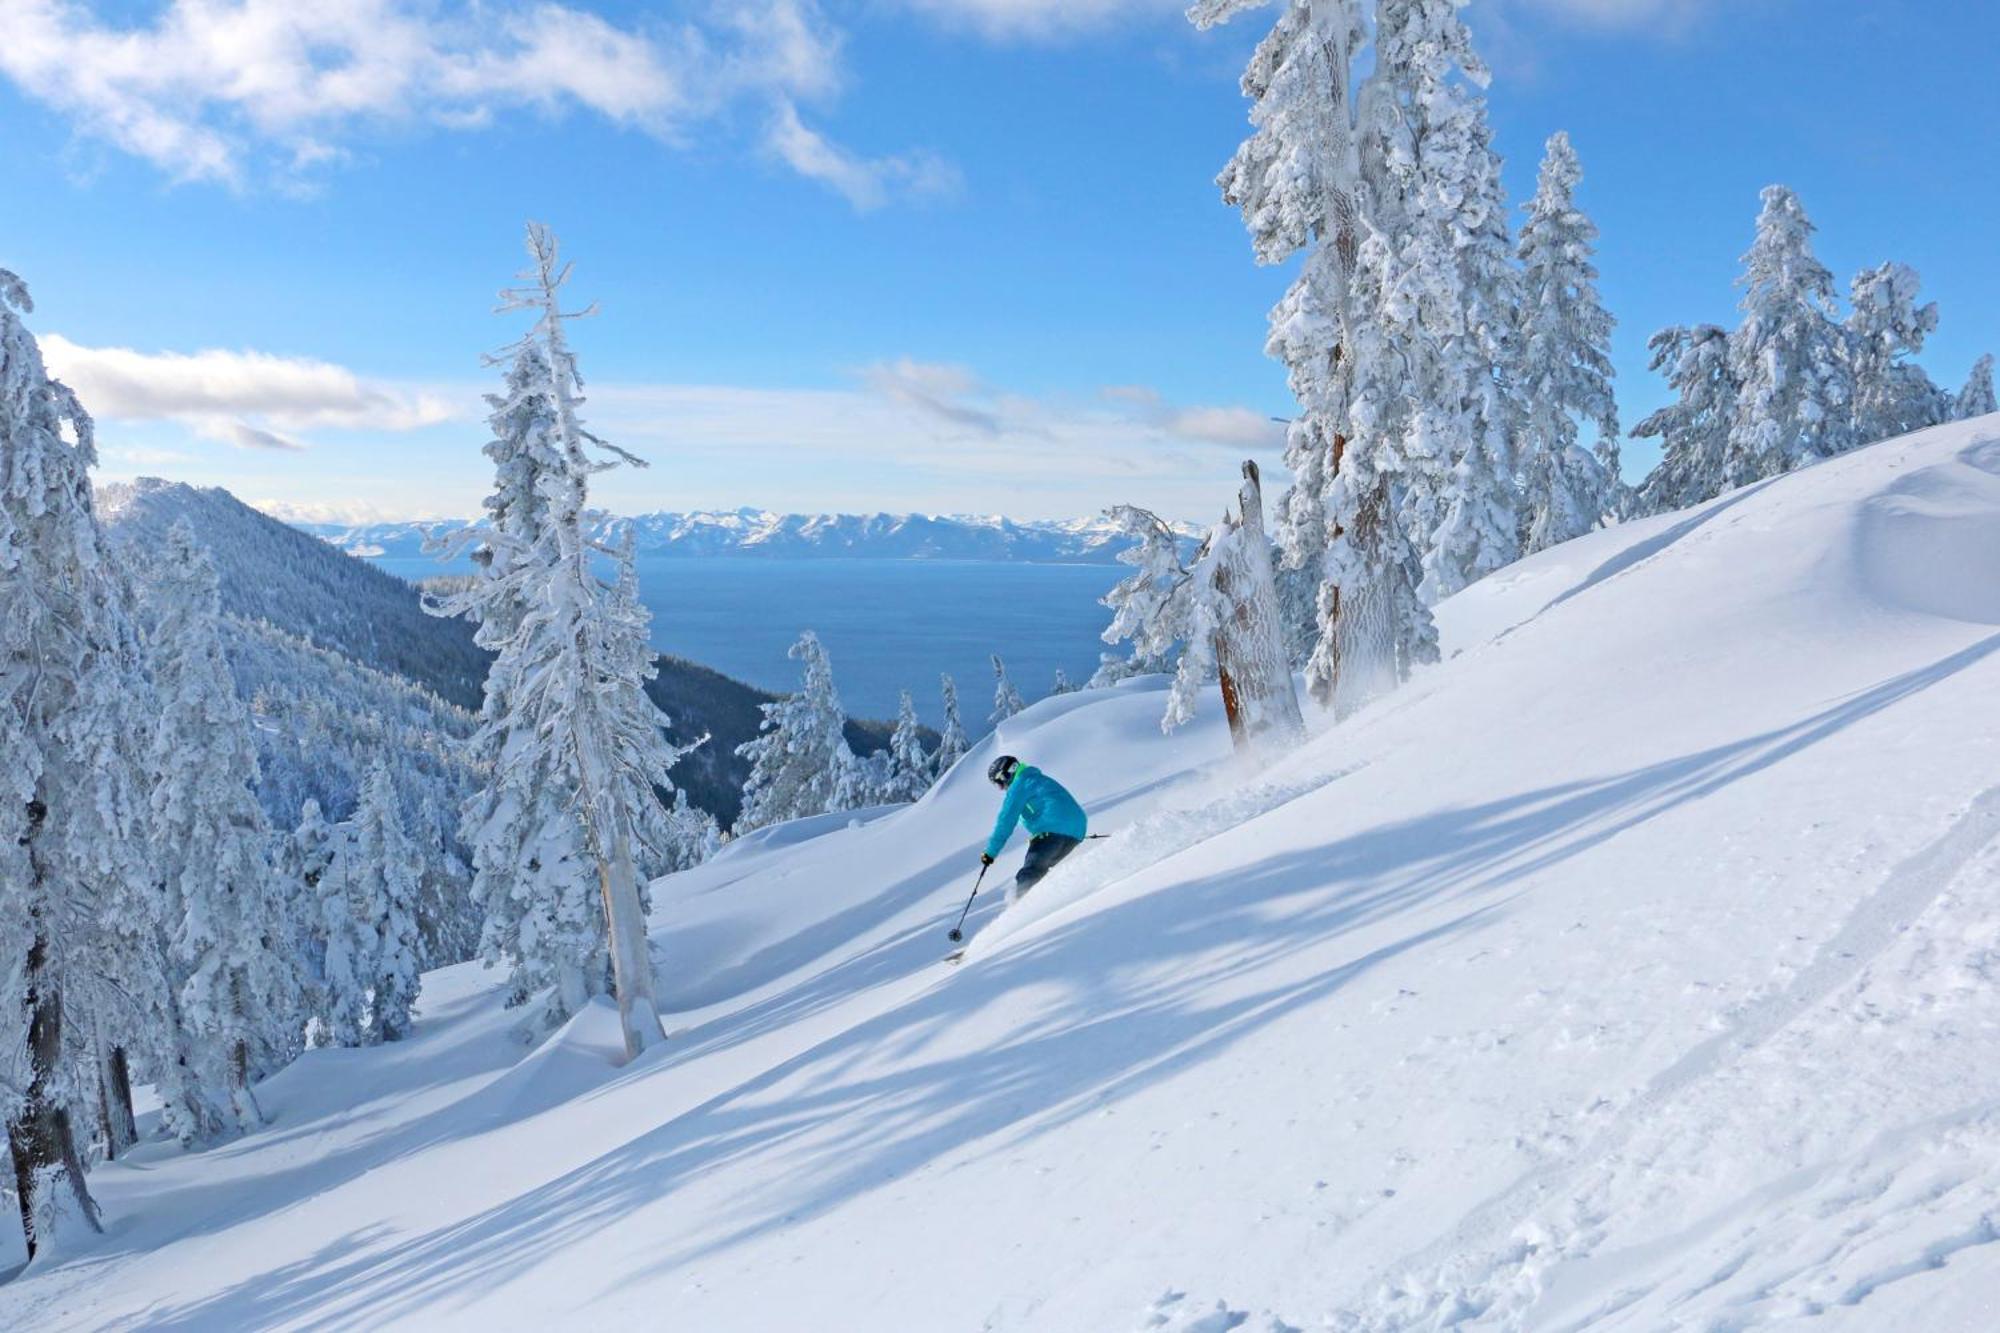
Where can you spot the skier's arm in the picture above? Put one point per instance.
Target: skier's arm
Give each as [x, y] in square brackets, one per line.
[1010, 815]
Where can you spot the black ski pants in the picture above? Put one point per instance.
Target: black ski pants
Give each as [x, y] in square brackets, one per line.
[1044, 850]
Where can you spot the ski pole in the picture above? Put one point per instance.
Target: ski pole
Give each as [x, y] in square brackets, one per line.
[957, 934]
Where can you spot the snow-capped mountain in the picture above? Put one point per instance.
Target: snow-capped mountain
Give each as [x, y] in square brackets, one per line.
[759, 532]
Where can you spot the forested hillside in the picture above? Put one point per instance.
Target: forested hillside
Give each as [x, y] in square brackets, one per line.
[273, 572]
[289, 593]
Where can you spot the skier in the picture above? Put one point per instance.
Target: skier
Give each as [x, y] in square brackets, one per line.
[1056, 824]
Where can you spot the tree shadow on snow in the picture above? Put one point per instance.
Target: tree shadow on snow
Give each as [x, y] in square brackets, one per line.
[1103, 1004]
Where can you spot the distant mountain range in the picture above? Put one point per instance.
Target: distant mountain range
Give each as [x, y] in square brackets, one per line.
[761, 533]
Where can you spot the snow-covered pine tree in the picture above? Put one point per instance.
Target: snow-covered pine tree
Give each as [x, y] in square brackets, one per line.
[231, 939]
[1007, 700]
[347, 945]
[1301, 184]
[910, 771]
[62, 623]
[952, 742]
[1565, 341]
[1795, 394]
[381, 872]
[799, 762]
[114, 962]
[531, 877]
[1694, 429]
[1885, 327]
[1976, 398]
[1142, 601]
[673, 834]
[1451, 299]
[566, 714]
[1062, 684]
[304, 858]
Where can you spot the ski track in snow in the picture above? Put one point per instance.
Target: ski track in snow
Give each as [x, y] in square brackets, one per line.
[1504, 1250]
[1633, 970]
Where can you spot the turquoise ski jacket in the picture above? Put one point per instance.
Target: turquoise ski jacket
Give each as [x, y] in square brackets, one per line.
[1039, 801]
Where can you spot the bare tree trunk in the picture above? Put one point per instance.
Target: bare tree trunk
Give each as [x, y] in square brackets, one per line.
[1257, 690]
[631, 960]
[122, 1125]
[624, 918]
[39, 1137]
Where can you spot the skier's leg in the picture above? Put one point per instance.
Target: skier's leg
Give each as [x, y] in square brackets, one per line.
[1043, 854]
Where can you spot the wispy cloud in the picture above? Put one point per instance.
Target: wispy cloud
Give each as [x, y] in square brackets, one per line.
[1664, 15]
[913, 434]
[251, 400]
[1038, 19]
[904, 434]
[233, 91]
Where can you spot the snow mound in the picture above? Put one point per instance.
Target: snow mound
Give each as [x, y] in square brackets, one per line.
[1635, 968]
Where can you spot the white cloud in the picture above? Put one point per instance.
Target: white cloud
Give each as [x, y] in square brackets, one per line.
[246, 436]
[230, 90]
[945, 392]
[141, 456]
[1231, 427]
[924, 436]
[354, 513]
[251, 400]
[1668, 14]
[864, 182]
[1038, 18]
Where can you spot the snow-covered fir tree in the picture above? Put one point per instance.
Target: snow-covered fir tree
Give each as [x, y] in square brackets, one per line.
[1693, 430]
[1976, 398]
[1396, 335]
[531, 877]
[675, 834]
[1301, 184]
[66, 630]
[1141, 603]
[232, 936]
[346, 945]
[380, 871]
[1565, 368]
[1063, 684]
[952, 742]
[1451, 298]
[116, 986]
[800, 763]
[1885, 328]
[910, 773]
[1007, 700]
[1795, 388]
[566, 718]
[305, 855]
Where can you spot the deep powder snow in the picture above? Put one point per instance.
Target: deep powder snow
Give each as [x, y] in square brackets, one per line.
[1633, 969]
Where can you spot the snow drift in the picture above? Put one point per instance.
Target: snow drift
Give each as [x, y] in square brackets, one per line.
[1635, 968]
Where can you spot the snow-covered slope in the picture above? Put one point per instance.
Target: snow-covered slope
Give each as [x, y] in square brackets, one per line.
[1634, 969]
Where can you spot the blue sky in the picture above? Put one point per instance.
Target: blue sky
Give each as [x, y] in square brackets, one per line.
[956, 255]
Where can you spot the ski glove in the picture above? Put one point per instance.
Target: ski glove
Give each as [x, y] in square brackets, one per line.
[985, 860]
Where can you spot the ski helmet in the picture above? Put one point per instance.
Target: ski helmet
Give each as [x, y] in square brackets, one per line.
[1002, 771]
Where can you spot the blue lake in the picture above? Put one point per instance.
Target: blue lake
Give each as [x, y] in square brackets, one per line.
[888, 624]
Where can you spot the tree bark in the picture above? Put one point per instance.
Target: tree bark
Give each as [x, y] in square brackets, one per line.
[39, 1137]
[122, 1125]
[1257, 691]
